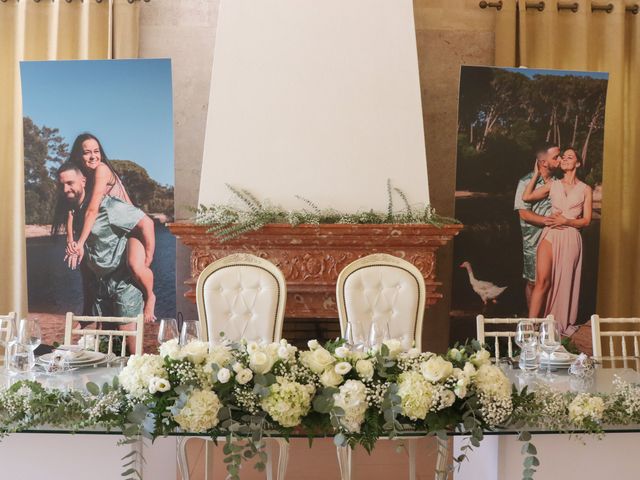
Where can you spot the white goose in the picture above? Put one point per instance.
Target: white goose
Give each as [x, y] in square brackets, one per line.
[486, 290]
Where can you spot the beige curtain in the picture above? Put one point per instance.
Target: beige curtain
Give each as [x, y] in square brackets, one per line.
[45, 30]
[600, 41]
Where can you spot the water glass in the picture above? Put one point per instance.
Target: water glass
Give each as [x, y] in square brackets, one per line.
[527, 340]
[378, 333]
[190, 331]
[29, 338]
[168, 330]
[550, 342]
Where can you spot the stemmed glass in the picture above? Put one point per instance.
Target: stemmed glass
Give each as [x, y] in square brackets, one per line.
[190, 331]
[354, 337]
[378, 333]
[527, 340]
[29, 337]
[550, 342]
[168, 330]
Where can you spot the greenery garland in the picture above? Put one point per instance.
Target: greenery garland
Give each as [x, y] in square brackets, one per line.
[246, 392]
[230, 221]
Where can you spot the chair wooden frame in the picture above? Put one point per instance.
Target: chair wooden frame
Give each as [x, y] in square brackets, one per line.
[385, 260]
[373, 260]
[624, 335]
[138, 333]
[482, 334]
[230, 261]
[237, 260]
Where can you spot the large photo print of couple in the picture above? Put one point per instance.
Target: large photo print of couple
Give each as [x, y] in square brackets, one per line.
[529, 193]
[99, 184]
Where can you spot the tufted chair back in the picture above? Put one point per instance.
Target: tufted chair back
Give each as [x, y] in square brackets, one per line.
[382, 288]
[242, 296]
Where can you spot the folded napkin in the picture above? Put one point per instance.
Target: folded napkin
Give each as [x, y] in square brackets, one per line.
[68, 355]
[559, 356]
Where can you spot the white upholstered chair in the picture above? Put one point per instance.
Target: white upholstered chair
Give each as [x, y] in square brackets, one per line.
[625, 339]
[243, 297]
[5, 331]
[387, 289]
[485, 328]
[137, 332]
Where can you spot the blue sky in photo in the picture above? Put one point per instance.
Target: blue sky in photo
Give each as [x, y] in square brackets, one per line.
[531, 72]
[127, 104]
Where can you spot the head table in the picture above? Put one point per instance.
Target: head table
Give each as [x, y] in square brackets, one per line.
[498, 456]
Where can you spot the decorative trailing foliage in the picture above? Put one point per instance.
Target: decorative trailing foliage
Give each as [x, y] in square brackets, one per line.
[230, 221]
[247, 392]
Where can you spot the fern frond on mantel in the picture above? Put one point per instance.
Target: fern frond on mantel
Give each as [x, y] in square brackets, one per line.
[230, 221]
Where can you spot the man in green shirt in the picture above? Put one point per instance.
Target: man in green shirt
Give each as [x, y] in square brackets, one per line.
[532, 215]
[116, 293]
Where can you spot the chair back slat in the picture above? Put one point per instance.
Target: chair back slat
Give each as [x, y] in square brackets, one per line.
[483, 334]
[623, 337]
[99, 332]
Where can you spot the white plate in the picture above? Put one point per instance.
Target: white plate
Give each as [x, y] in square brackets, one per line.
[88, 357]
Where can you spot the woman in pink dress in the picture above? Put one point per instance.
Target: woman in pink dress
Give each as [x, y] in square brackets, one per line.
[559, 255]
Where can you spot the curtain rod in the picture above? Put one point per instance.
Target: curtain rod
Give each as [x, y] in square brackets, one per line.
[540, 6]
[82, 1]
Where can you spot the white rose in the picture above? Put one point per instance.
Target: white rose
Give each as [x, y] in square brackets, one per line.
[313, 344]
[171, 349]
[342, 352]
[469, 370]
[330, 378]
[342, 368]
[394, 346]
[317, 360]
[244, 376]
[447, 398]
[436, 369]
[260, 362]
[224, 375]
[158, 384]
[364, 369]
[237, 366]
[283, 352]
[413, 353]
[252, 347]
[480, 358]
[196, 351]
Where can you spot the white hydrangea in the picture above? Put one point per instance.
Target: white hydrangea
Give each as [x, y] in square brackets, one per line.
[136, 376]
[436, 369]
[586, 407]
[200, 412]
[491, 380]
[352, 398]
[417, 395]
[288, 401]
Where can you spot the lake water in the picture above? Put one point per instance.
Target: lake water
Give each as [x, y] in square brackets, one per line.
[54, 288]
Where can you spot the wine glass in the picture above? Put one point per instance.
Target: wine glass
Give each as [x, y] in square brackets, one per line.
[527, 339]
[168, 330]
[378, 333]
[354, 337]
[550, 342]
[190, 331]
[30, 337]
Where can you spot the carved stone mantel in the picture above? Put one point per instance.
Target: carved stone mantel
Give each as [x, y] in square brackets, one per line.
[312, 256]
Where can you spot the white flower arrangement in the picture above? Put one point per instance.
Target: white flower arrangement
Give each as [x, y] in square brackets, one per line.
[136, 377]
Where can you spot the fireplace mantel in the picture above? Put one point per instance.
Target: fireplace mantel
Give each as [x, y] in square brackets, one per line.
[312, 256]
